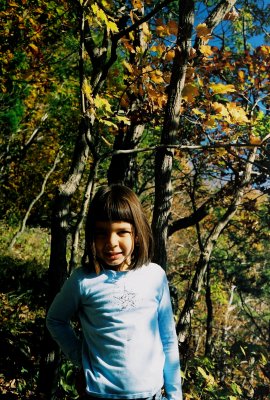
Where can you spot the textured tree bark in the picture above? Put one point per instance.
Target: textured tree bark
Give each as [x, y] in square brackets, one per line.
[164, 157]
[58, 261]
[209, 321]
[123, 166]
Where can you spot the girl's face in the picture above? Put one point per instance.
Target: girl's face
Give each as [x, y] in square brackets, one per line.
[114, 243]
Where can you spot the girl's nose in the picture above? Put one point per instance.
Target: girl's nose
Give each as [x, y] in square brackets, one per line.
[112, 240]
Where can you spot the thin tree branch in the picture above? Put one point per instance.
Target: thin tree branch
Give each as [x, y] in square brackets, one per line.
[82, 215]
[36, 199]
[182, 147]
[194, 291]
[248, 312]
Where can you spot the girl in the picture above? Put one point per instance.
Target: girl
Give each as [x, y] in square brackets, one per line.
[129, 348]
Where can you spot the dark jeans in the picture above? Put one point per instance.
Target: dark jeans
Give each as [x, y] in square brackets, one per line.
[157, 396]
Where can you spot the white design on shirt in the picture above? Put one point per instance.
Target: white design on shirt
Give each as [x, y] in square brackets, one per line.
[127, 300]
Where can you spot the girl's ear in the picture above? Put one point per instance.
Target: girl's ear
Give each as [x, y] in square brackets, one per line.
[136, 240]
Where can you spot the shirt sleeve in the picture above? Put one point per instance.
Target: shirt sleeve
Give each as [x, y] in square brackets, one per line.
[172, 377]
[58, 321]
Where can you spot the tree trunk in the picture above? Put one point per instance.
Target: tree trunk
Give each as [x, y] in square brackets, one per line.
[209, 321]
[58, 262]
[123, 167]
[164, 157]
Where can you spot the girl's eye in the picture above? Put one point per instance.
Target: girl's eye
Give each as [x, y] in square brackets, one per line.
[124, 232]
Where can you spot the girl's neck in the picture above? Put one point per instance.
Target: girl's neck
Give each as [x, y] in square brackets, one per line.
[117, 268]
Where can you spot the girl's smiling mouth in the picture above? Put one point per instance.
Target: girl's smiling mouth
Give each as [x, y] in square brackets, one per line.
[114, 255]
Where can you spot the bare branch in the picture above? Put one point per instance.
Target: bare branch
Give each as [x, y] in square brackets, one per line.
[36, 199]
[204, 259]
[183, 147]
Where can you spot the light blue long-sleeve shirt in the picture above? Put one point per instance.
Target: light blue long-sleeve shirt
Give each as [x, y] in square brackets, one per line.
[129, 348]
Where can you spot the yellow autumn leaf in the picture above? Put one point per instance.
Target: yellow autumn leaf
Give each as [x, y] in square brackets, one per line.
[220, 88]
[102, 103]
[263, 359]
[128, 66]
[241, 75]
[137, 4]
[160, 30]
[169, 56]
[203, 30]
[220, 109]
[145, 29]
[101, 14]
[12, 4]
[255, 140]
[95, 8]
[33, 48]
[205, 50]
[108, 123]
[265, 49]
[87, 90]
[221, 152]
[202, 372]
[156, 76]
[112, 26]
[123, 119]
[237, 113]
[196, 111]
[190, 91]
[158, 49]
[211, 121]
[146, 69]
[131, 36]
[102, 17]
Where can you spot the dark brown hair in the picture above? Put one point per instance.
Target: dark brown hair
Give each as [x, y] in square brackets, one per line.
[118, 203]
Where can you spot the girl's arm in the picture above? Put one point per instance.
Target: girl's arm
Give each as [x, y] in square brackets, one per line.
[58, 321]
[172, 377]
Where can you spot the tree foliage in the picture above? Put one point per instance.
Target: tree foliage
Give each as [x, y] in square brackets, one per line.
[172, 99]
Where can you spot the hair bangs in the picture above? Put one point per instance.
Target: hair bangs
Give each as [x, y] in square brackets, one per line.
[114, 210]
